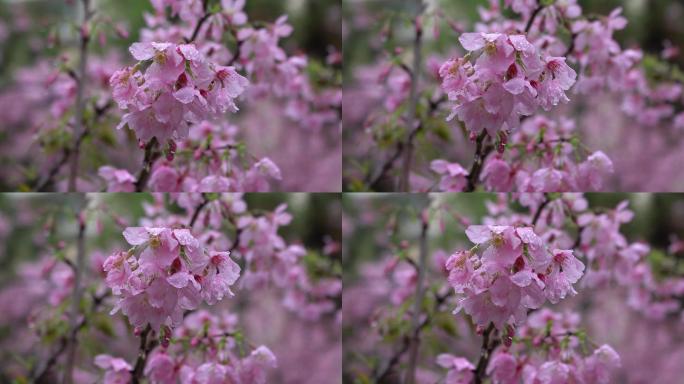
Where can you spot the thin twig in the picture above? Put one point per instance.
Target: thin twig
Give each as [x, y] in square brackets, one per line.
[373, 180]
[41, 375]
[418, 304]
[571, 47]
[543, 205]
[485, 354]
[143, 353]
[532, 17]
[481, 152]
[199, 208]
[384, 374]
[80, 103]
[201, 21]
[404, 184]
[77, 294]
[151, 155]
[236, 54]
[48, 180]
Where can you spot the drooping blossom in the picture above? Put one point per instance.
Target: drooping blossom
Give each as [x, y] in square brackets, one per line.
[167, 272]
[180, 86]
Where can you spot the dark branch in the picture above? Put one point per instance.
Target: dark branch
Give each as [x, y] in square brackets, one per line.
[41, 376]
[76, 296]
[418, 304]
[541, 207]
[199, 208]
[485, 354]
[151, 155]
[48, 180]
[143, 352]
[404, 182]
[481, 152]
[200, 22]
[80, 127]
[383, 375]
[372, 181]
[532, 17]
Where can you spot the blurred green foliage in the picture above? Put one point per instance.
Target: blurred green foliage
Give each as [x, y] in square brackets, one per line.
[651, 22]
[316, 26]
[27, 216]
[658, 218]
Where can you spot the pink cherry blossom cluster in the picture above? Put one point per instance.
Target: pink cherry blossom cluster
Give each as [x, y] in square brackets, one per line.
[542, 157]
[208, 160]
[270, 260]
[510, 78]
[509, 271]
[117, 370]
[167, 272]
[558, 335]
[555, 149]
[180, 86]
[613, 259]
[207, 349]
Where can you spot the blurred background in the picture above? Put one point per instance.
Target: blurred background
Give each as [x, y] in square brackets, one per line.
[31, 27]
[380, 229]
[35, 228]
[38, 47]
[650, 22]
[378, 33]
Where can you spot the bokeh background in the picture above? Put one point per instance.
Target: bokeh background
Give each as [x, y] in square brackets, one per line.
[646, 158]
[40, 36]
[379, 228]
[298, 344]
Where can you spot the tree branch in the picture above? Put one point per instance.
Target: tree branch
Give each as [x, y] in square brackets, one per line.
[543, 205]
[143, 353]
[201, 21]
[48, 180]
[384, 374]
[532, 17]
[418, 304]
[481, 152]
[151, 155]
[77, 295]
[404, 184]
[199, 208]
[80, 127]
[485, 354]
[41, 375]
[372, 181]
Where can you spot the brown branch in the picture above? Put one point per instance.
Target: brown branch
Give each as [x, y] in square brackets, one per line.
[236, 54]
[48, 180]
[384, 374]
[404, 184]
[41, 375]
[373, 181]
[80, 104]
[77, 294]
[151, 155]
[199, 208]
[143, 353]
[543, 205]
[485, 354]
[418, 304]
[532, 17]
[200, 22]
[481, 152]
